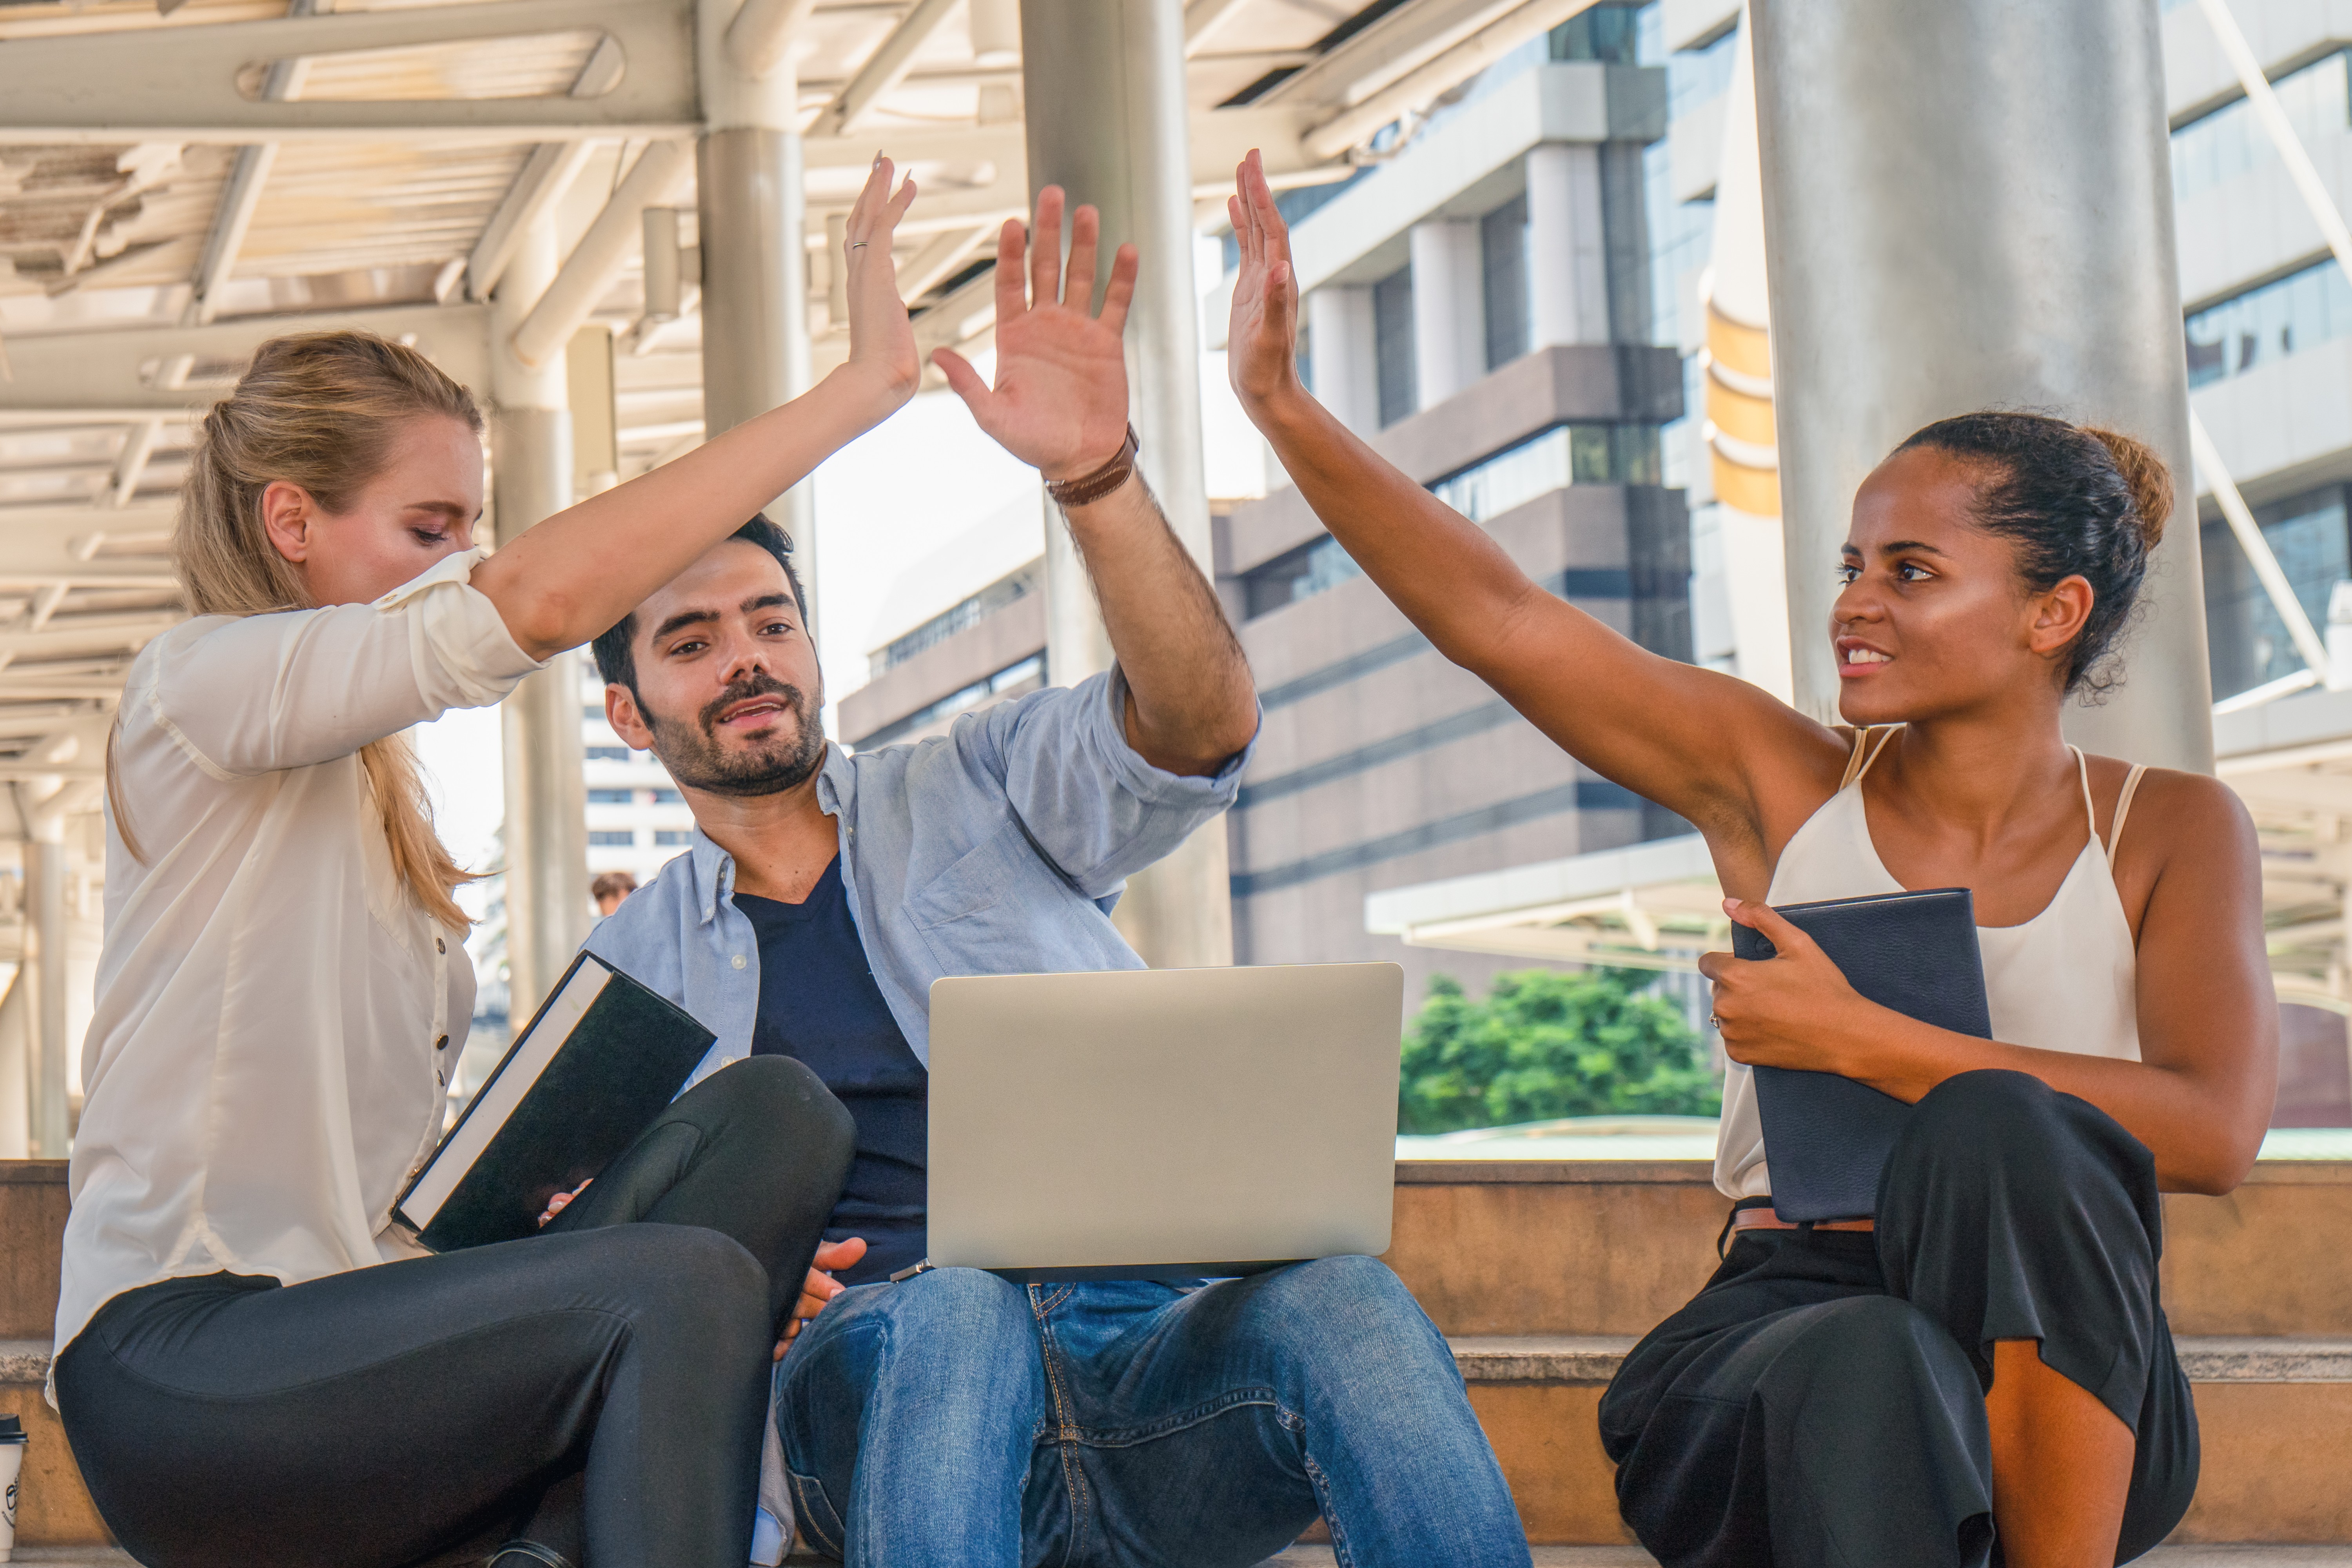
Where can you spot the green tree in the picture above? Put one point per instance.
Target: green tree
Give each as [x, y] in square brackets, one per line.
[1550, 1043]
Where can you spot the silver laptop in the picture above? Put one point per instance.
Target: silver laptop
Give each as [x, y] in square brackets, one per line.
[1168, 1124]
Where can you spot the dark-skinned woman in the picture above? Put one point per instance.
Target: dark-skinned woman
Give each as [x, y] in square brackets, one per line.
[1981, 1372]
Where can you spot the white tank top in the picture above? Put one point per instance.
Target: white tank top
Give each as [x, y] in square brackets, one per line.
[2064, 981]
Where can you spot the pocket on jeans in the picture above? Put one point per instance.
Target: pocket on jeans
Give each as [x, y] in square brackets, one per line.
[818, 1522]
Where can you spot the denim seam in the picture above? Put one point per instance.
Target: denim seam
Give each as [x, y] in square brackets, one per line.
[1073, 1480]
[1296, 1425]
[802, 1486]
[1131, 1437]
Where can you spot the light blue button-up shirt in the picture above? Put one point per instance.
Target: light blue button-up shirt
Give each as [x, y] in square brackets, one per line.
[997, 848]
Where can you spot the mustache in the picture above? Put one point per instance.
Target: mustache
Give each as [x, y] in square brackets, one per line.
[758, 684]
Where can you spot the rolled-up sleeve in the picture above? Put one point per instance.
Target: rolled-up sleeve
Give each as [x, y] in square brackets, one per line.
[259, 693]
[1087, 798]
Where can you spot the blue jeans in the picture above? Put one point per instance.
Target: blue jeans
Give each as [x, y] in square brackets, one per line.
[959, 1419]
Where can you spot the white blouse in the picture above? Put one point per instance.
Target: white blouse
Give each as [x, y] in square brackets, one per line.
[277, 1016]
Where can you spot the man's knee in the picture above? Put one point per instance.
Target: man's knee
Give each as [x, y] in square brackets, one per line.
[1348, 1306]
[968, 1307]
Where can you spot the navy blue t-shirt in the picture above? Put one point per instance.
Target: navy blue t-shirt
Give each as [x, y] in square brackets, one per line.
[819, 1005]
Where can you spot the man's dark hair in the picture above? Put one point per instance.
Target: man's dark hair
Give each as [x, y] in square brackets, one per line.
[616, 660]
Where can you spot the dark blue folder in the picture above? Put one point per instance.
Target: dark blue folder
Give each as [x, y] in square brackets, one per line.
[1827, 1138]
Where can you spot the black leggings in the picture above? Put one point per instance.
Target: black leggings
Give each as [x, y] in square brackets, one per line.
[604, 1376]
[1822, 1400]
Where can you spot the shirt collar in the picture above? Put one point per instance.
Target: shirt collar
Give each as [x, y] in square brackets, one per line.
[714, 868]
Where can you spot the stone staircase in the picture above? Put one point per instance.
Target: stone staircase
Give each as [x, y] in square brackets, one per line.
[1542, 1274]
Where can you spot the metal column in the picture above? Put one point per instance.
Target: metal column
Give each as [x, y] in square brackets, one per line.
[546, 821]
[1969, 205]
[754, 217]
[1103, 82]
[43, 1006]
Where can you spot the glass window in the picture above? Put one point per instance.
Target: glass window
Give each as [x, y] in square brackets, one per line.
[2228, 141]
[1392, 344]
[1604, 33]
[667, 798]
[1694, 76]
[1503, 254]
[608, 753]
[2264, 324]
[673, 837]
[612, 797]
[611, 837]
[2309, 536]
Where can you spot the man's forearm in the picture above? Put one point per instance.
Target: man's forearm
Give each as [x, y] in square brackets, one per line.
[1192, 704]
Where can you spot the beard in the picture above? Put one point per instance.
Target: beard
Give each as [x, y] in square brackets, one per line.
[768, 764]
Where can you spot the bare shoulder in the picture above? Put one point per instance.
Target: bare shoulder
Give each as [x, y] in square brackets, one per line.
[2183, 828]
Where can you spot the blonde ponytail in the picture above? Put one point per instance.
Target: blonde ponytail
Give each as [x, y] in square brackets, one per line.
[318, 410]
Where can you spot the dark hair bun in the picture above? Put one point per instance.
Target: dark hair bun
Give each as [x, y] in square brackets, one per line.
[2144, 475]
[2076, 501]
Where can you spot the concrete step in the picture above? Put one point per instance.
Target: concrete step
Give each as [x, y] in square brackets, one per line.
[2275, 1418]
[1589, 1247]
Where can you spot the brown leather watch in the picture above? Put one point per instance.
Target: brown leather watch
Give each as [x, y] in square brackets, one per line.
[1067, 493]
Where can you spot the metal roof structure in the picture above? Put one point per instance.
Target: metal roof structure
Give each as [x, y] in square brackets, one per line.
[182, 179]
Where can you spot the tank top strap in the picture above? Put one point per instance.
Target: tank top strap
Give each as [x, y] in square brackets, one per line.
[1858, 763]
[2083, 777]
[2122, 810]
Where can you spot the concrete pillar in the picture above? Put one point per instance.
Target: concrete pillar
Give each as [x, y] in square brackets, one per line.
[44, 1000]
[755, 289]
[1969, 205]
[1340, 344]
[1449, 318]
[1104, 84]
[17, 1064]
[1568, 258]
[547, 815]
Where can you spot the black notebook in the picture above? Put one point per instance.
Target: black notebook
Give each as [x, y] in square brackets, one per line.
[595, 1064]
[1826, 1138]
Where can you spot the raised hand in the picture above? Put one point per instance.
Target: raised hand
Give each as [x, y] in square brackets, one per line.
[1060, 399]
[881, 338]
[1262, 348]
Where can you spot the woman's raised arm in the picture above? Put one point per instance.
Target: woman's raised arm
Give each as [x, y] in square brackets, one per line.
[1691, 740]
[568, 579]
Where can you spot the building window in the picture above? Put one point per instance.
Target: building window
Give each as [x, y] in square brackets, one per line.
[1563, 455]
[1006, 590]
[2218, 147]
[612, 797]
[1604, 33]
[1392, 344]
[1296, 574]
[2265, 324]
[1028, 671]
[2249, 642]
[608, 753]
[1694, 76]
[611, 839]
[1503, 253]
[667, 798]
[672, 837]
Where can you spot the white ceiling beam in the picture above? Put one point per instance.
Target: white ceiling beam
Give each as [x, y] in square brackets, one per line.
[761, 33]
[1407, 37]
[240, 194]
[884, 68]
[546, 174]
[1220, 138]
[111, 371]
[598, 260]
[111, 86]
[938, 261]
[958, 318]
[1418, 88]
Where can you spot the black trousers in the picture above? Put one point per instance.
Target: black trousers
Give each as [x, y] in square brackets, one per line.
[608, 1376]
[1822, 1401]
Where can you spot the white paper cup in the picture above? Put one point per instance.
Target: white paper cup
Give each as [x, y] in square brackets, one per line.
[12, 1460]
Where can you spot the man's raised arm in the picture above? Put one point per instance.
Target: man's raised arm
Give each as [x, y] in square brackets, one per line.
[1060, 405]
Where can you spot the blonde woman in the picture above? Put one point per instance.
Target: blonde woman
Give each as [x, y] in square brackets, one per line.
[255, 1364]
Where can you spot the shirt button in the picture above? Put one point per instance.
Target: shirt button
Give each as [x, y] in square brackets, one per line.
[439, 946]
[737, 960]
[442, 1044]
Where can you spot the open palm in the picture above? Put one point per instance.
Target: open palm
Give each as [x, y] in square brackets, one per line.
[1060, 399]
[1262, 338]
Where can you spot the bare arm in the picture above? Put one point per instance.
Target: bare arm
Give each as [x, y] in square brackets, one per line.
[1704, 745]
[576, 573]
[1060, 404]
[2199, 1097]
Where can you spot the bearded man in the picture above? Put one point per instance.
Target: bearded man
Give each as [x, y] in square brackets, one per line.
[954, 1417]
